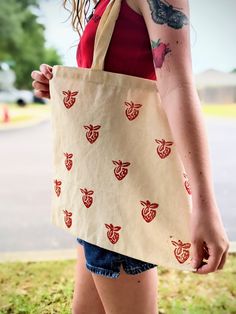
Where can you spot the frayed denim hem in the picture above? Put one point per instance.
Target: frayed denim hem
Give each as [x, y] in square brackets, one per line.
[80, 241]
[139, 269]
[102, 271]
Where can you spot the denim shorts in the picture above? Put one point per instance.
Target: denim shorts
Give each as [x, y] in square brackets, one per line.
[107, 263]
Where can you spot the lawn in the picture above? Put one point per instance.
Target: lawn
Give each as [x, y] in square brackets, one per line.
[226, 110]
[29, 113]
[47, 287]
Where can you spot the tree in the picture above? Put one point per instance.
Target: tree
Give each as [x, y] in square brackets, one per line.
[22, 40]
[11, 18]
[51, 56]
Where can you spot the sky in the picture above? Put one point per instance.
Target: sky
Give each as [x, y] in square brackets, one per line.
[212, 32]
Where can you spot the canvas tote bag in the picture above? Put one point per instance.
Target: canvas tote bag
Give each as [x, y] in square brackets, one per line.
[118, 180]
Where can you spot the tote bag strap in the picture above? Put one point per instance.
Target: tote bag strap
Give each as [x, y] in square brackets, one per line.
[104, 33]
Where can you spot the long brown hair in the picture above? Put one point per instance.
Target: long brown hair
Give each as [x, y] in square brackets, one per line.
[78, 11]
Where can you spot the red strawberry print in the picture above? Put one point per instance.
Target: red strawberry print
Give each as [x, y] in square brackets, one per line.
[181, 251]
[112, 235]
[120, 171]
[186, 184]
[68, 161]
[147, 212]
[87, 200]
[69, 100]
[57, 187]
[132, 112]
[159, 51]
[67, 218]
[92, 135]
[162, 149]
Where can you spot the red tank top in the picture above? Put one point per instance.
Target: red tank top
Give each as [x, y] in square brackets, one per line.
[129, 51]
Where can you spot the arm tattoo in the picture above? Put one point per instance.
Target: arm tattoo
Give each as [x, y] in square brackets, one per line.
[159, 51]
[164, 13]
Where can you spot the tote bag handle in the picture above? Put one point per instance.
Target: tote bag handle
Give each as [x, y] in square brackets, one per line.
[104, 33]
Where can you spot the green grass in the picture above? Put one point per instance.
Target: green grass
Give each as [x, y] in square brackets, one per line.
[226, 110]
[47, 287]
[36, 287]
[24, 114]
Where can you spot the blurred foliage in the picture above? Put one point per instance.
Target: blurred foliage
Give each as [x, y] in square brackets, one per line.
[22, 40]
[51, 56]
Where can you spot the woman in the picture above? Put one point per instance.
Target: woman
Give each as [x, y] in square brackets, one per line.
[153, 43]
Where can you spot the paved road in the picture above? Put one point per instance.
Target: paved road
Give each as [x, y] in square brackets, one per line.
[26, 176]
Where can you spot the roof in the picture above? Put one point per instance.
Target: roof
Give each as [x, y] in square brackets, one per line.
[214, 78]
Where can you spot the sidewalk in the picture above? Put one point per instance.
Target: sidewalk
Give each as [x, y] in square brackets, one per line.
[53, 255]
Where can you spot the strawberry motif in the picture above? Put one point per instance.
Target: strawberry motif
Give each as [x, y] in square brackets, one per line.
[148, 213]
[132, 112]
[159, 51]
[68, 161]
[57, 187]
[87, 200]
[162, 149]
[186, 184]
[67, 218]
[112, 235]
[120, 171]
[181, 251]
[69, 100]
[92, 135]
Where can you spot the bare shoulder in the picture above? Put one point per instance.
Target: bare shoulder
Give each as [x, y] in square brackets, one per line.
[161, 8]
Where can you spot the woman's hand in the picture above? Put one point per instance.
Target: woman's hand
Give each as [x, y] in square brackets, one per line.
[209, 240]
[41, 81]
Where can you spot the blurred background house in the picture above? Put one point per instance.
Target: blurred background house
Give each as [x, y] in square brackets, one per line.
[216, 86]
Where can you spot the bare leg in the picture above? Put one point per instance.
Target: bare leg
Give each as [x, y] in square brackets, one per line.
[129, 293]
[86, 299]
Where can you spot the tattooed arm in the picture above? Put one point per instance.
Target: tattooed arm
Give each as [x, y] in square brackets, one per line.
[168, 27]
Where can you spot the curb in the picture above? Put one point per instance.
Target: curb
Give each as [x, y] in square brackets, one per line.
[57, 255]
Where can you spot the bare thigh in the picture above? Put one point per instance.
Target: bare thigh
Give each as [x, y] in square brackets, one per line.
[129, 293]
[85, 298]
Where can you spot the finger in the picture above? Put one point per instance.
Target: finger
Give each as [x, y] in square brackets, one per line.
[42, 94]
[205, 251]
[212, 263]
[38, 76]
[40, 86]
[223, 260]
[46, 70]
[197, 247]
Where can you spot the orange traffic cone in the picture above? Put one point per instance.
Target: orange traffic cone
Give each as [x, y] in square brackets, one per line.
[6, 115]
